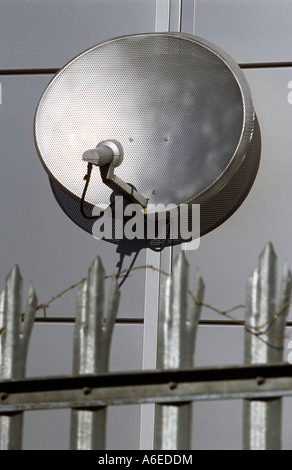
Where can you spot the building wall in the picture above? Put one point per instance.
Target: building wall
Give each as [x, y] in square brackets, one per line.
[37, 36]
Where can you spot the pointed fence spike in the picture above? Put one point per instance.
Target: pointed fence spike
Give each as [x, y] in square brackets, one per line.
[92, 339]
[14, 349]
[97, 266]
[2, 332]
[267, 284]
[14, 273]
[195, 310]
[31, 304]
[165, 301]
[180, 274]
[81, 303]
[113, 304]
[197, 296]
[179, 312]
[278, 322]
[80, 331]
[2, 306]
[112, 311]
[28, 322]
[181, 258]
[95, 303]
[262, 419]
[269, 250]
[180, 267]
[165, 325]
[252, 300]
[13, 289]
[285, 288]
[13, 309]
[268, 255]
[176, 337]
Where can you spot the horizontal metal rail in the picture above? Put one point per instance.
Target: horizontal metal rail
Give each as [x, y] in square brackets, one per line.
[137, 320]
[54, 70]
[168, 386]
[65, 319]
[35, 71]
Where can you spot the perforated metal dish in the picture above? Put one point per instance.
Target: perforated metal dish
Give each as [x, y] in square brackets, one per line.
[180, 107]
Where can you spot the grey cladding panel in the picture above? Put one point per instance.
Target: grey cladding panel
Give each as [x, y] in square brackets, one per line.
[45, 34]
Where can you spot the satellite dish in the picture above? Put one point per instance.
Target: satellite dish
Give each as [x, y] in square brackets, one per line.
[160, 118]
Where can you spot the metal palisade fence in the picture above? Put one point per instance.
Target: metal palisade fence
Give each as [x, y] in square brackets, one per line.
[261, 381]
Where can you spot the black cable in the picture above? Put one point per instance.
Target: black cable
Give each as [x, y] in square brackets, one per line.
[87, 179]
[162, 243]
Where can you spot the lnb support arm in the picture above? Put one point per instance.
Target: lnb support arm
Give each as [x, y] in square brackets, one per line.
[107, 155]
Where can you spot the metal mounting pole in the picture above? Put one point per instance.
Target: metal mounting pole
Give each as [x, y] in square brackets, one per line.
[14, 341]
[168, 15]
[264, 335]
[152, 284]
[92, 340]
[176, 344]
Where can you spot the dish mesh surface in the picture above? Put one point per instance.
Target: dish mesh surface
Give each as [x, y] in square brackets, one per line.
[180, 107]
